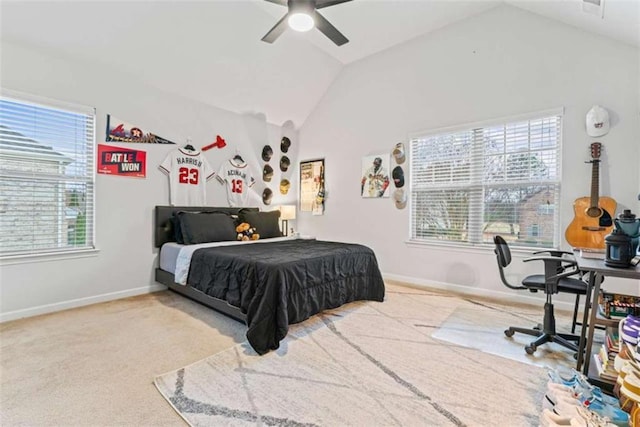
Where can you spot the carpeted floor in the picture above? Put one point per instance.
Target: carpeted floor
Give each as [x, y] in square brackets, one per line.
[95, 365]
[372, 364]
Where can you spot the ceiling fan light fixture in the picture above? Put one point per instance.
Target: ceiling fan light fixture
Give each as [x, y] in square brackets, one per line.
[303, 15]
[301, 21]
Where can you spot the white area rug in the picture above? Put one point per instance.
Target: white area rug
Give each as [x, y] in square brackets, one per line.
[363, 364]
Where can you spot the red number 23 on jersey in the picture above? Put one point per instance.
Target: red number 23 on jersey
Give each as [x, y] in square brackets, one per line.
[188, 176]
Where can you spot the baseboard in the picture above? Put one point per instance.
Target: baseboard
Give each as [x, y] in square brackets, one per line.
[402, 280]
[64, 305]
[515, 296]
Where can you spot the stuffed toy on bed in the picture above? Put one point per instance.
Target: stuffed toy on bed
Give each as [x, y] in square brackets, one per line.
[246, 232]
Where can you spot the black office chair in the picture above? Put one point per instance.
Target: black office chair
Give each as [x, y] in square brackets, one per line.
[557, 270]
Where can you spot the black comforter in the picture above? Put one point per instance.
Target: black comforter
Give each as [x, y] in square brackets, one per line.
[277, 284]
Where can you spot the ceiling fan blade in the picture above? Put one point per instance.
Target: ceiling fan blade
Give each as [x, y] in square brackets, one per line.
[329, 30]
[326, 3]
[277, 30]
[280, 2]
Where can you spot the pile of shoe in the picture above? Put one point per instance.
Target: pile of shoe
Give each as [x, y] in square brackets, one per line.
[571, 401]
[627, 364]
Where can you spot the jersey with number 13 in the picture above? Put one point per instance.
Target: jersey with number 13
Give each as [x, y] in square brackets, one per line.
[188, 173]
[238, 179]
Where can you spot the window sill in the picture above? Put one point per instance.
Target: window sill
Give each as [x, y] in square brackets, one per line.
[47, 257]
[478, 248]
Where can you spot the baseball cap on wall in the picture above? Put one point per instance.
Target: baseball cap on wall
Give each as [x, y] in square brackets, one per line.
[284, 186]
[267, 173]
[284, 163]
[285, 143]
[267, 152]
[267, 195]
[398, 176]
[400, 198]
[398, 153]
[597, 121]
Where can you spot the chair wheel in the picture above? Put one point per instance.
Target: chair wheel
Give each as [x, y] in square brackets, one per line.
[530, 349]
[508, 332]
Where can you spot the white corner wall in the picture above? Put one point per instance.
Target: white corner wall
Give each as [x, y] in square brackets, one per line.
[125, 261]
[497, 64]
[501, 63]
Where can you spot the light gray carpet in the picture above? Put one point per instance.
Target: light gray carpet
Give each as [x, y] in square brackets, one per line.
[363, 364]
[94, 365]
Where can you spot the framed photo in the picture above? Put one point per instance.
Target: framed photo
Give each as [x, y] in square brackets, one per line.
[312, 190]
[375, 176]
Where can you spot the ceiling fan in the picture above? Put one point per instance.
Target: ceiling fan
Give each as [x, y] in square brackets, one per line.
[303, 15]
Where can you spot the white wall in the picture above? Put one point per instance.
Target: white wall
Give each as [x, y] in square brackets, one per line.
[126, 259]
[501, 63]
[498, 64]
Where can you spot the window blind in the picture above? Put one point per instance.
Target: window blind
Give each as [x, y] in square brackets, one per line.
[47, 176]
[473, 183]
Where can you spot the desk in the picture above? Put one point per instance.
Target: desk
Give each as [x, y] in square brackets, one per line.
[597, 271]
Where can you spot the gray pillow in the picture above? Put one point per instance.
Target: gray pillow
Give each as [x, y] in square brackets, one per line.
[177, 230]
[267, 224]
[205, 227]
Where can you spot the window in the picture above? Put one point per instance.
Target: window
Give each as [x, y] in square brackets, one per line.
[475, 182]
[46, 176]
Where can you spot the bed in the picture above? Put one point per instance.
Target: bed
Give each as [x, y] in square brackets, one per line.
[268, 284]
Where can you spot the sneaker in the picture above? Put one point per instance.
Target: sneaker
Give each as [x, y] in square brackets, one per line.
[628, 333]
[633, 320]
[581, 416]
[634, 415]
[559, 387]
[615, 415]
[630, 391]
[628, 330]
[574, 416]
[583, 388]
[624, 371]
[549, 418]
[564, 376]
[621, 359]
[554, 397]
[570, 377]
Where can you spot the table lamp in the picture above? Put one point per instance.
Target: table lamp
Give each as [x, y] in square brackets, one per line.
[287, 212]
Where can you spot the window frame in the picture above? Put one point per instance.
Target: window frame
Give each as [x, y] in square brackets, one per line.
[471, 127]
[26, 99]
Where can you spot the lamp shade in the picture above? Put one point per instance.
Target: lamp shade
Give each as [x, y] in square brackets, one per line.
[287, 212]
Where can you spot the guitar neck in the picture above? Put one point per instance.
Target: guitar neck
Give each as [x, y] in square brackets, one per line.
[595, 182]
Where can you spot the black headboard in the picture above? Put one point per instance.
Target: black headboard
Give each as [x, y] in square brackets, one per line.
[164, 227]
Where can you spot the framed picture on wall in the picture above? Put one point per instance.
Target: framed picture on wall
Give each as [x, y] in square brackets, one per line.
[375, 176]
[312, 190]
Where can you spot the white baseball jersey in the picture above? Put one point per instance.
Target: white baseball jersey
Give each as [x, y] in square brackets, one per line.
[188, 173]
[238, 178]
[377, 181]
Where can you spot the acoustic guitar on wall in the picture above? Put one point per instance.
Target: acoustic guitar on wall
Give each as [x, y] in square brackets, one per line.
[592, 215]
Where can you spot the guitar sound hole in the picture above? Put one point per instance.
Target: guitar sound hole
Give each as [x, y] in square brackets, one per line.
[594, 212]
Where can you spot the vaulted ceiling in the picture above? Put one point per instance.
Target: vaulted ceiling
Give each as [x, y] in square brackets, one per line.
[211, 51]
